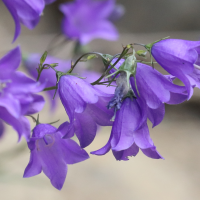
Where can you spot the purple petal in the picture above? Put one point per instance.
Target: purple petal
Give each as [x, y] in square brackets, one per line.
[52, 165]
[105, 30]
[30, 9]
[176, 98]
[21, 124]
[126, 122]
[100, 113]
[72, 152]
[10, 62]
[11, 104]
[13, 12]
[156, 115]
[34, 167]
[181, 52]
[104, 8]
[30, 24]
[152, 153]
[123, 155]
[85, 128]
[117, 12]
[104, 149]
[142, 137]
[66, 130]
[75, 94]
[42, 129]
[19, 79]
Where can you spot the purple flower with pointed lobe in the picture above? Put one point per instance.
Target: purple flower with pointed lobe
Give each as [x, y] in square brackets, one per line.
[130, 132]
[178, 57]
[155, 89]
[51, 154]
[27, 12]
[17, 94]
[86, 20]
[48, 76]
[85, 106]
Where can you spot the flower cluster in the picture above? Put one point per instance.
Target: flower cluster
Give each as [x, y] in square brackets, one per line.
[90, 101]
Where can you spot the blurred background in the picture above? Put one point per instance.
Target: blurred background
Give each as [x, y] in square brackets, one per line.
[177, 138]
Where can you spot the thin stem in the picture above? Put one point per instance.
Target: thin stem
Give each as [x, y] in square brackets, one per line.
[139, 44]
[108, 69]
[50, 88]
[78, 60]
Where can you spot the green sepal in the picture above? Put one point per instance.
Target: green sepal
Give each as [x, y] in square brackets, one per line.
[141, 53]
[150, 45]
[87, 58]
[54, 64]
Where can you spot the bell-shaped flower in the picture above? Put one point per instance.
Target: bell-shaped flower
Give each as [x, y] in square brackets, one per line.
[48, 76]
[85, 106]
[177, 57]
[156, 89]
[17, 94]
[27, 12]
[130, 132]
[51, 154]
[85, 20]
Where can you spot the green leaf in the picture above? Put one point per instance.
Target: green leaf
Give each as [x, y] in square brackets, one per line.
[43, 58]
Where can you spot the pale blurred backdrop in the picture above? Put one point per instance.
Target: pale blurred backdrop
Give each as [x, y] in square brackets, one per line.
[103, 178]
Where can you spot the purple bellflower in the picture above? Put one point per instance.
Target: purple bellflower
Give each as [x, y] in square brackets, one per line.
[155, 89]
[27, 12]
[85, 106]
[51, 154]
[130, 131]
[17, 94]
[48, 75]
[86, 20]
[177, 57]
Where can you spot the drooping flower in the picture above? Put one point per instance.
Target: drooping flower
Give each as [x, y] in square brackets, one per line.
[17, 94]
[48, 76]
[130, 132]
[85, 106]
[51, 154]
[86, 20]
[27, 12]
[155, 89]
[177, 57]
